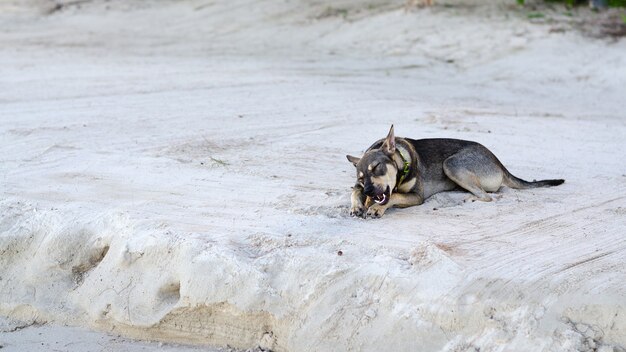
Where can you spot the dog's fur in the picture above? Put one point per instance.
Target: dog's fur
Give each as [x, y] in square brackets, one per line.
[432, 166]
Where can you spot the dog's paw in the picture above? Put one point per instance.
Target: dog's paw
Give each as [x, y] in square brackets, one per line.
[473, 198]
[358, 211]
[376, 211]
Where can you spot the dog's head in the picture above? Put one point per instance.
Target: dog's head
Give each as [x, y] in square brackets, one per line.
[376, 170]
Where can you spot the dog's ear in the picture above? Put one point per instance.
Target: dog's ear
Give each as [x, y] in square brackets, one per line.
[389, 145]
[353, 159]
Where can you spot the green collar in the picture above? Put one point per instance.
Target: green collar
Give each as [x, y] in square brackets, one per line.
[406, 169]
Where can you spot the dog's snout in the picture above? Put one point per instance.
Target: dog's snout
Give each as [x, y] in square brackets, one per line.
[369, 188]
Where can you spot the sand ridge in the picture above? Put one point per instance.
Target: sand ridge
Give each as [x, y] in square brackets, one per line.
[176, 171]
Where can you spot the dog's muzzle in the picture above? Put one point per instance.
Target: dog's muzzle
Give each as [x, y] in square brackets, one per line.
[381, 198]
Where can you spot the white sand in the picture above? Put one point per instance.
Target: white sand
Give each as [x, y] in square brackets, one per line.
[20, 337]
[176, 171]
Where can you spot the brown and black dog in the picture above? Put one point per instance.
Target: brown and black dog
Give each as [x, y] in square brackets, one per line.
[402, 172]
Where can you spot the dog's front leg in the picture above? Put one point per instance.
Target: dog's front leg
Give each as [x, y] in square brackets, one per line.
[400, 200]
[358, 200]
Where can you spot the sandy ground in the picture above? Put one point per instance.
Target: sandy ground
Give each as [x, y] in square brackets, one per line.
[176, 171]
[32, 338]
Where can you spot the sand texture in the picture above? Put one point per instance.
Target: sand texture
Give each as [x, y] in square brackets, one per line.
[175, 171]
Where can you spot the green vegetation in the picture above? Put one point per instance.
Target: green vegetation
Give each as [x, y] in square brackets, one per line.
[570, 3]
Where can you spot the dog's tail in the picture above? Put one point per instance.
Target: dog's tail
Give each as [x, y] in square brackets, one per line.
[518, 183]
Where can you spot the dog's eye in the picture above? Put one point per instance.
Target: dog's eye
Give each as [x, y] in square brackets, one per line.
[378, 169]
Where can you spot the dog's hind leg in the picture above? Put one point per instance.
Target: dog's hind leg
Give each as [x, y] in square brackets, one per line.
[475, 169]
[470, 182]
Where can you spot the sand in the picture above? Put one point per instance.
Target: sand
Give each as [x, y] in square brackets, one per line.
[175, 171]
[26, 337]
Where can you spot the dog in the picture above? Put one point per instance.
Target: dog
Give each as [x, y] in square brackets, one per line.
[402, 172]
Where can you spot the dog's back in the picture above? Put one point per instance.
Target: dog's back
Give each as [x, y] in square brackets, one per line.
[433, 151]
